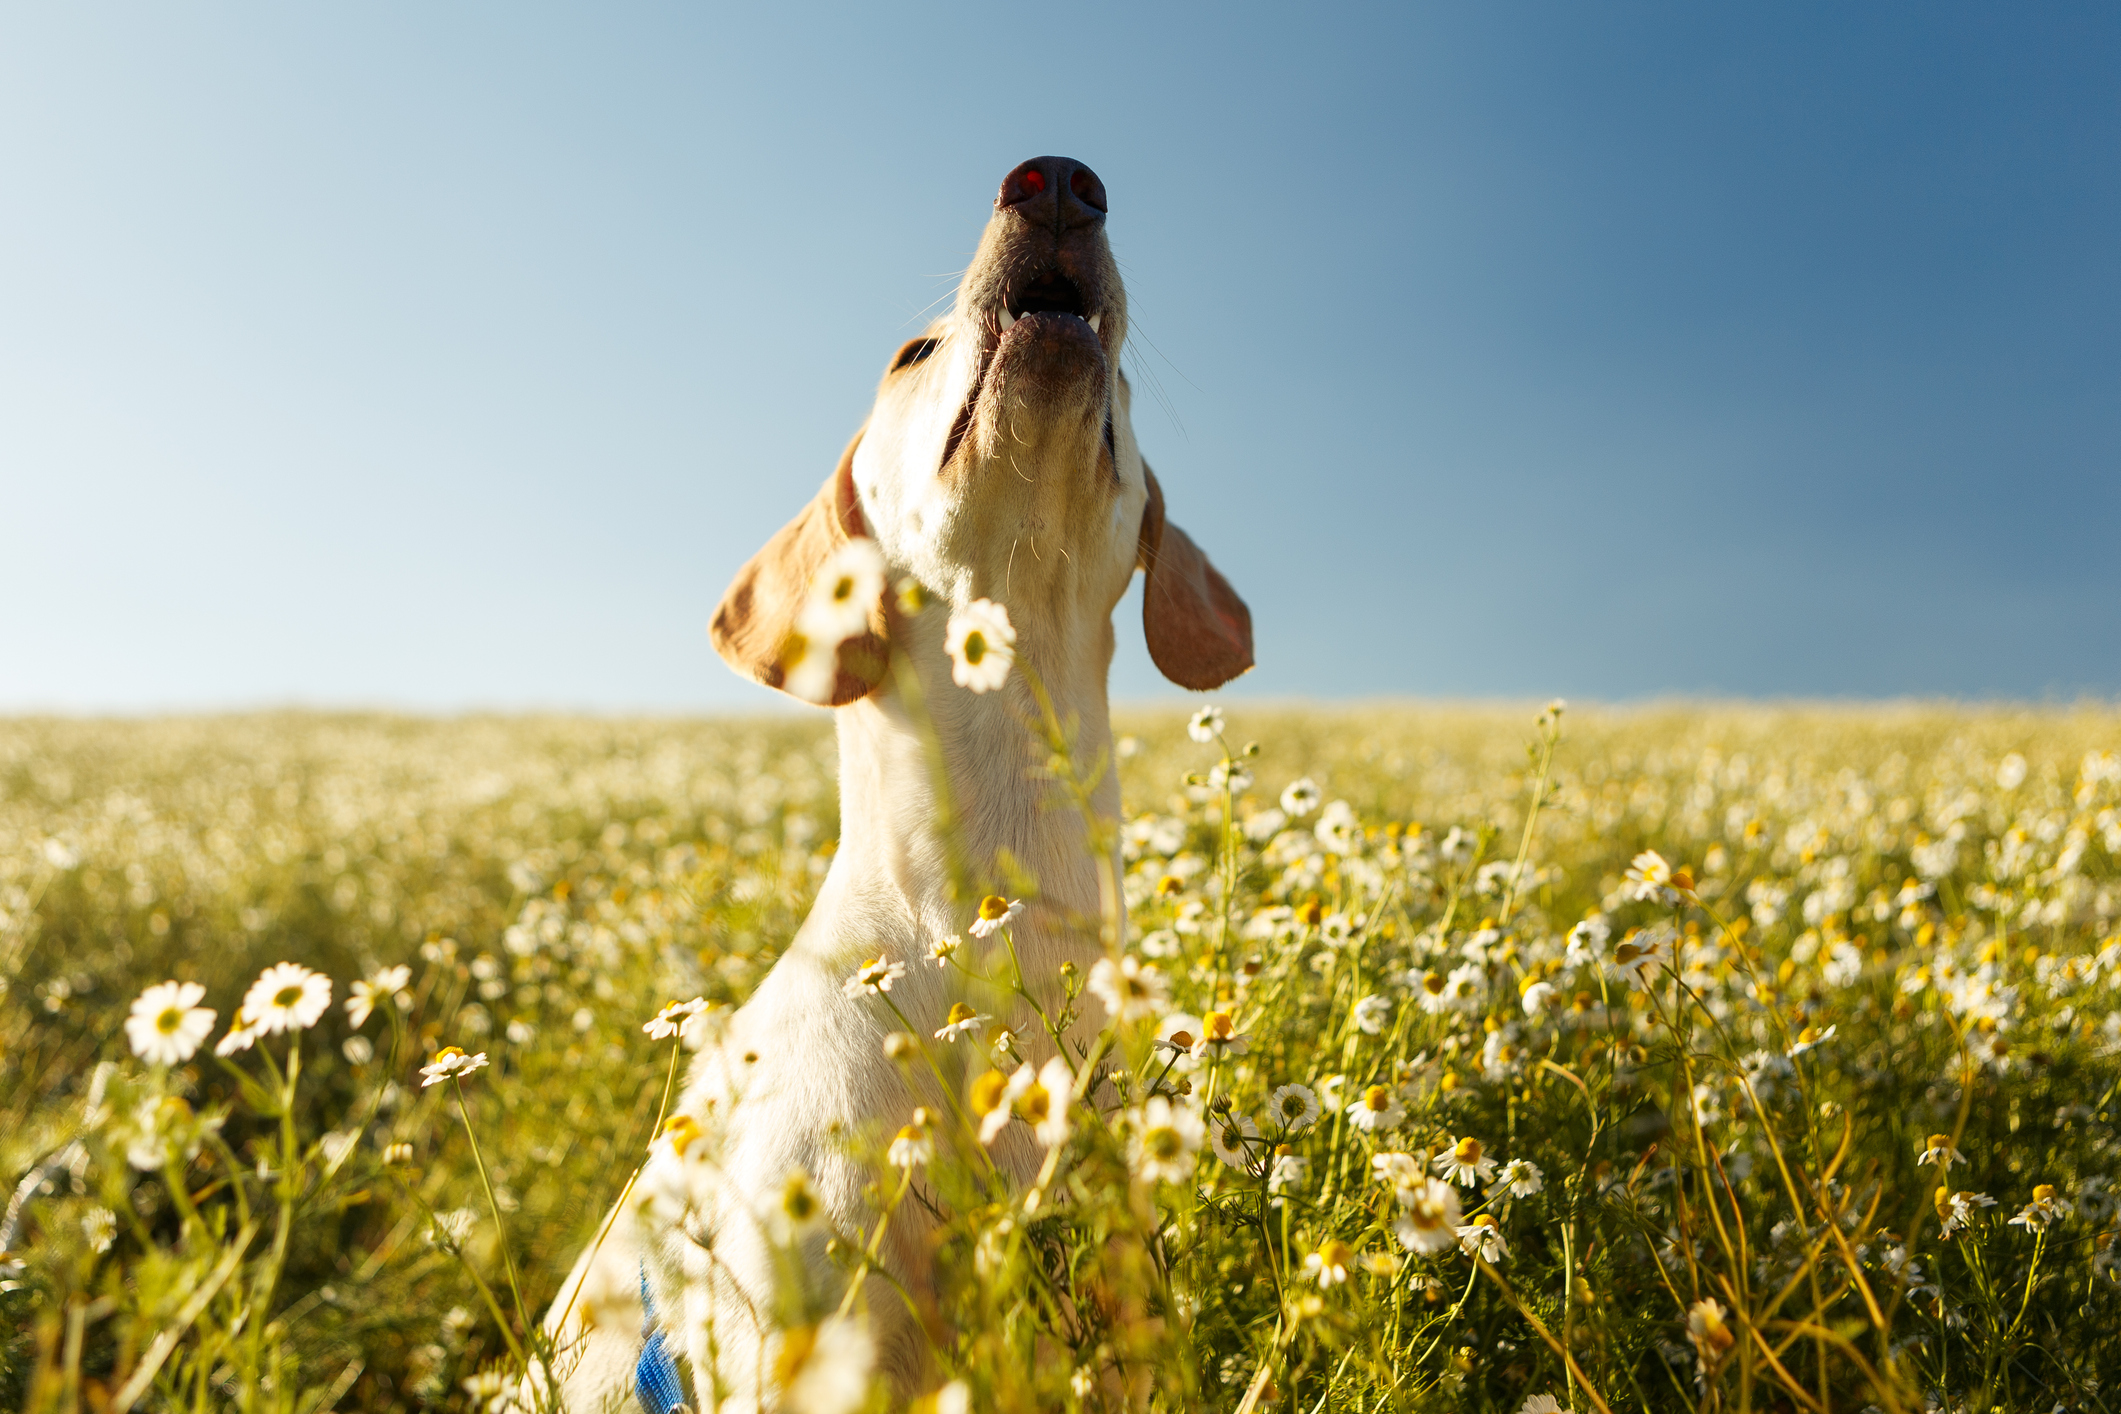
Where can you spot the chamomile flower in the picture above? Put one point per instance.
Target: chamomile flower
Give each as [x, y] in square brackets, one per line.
[1234, 1137]
[995, 914]
[1291, 1170]
[167, 1024]
[1433, 990]
[286, 997]
[450, 1063]
[1043, 1104]
[1521, 1178]
[1537, 997]
[913, 1147]
[1639, 955]
[1292, 1108]
[1650, 879]
[1219, 1037]
[1370, 1014]
[1428, 1221]
[1810, 1038]
[1542, 1404]
[1709, 1331]
[810, 667]
[1163, 1136]
[943, 949]
[1131, 990]
[1482, 1238]
[241, 1035]
[844, 593]
[1958, 1210]
[1466, 1164]
[673, 1018]
[1587, 940]
[2046, 1208]
[873, 978]
[981, 644]
[962, 1022]
[1330, 1263]
[366, 995]
[1941, 1153]
[1300, 797]
[1207, 724]
[1377, 1110]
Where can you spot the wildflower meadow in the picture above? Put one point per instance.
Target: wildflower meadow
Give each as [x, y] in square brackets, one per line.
[1497, 1059]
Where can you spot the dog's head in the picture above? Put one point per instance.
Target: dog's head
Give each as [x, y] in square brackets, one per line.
[999, 462]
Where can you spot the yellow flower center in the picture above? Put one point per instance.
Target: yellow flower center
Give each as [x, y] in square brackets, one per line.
[287, 996]
[843, 589]
[447, 1054]
[959, 1012]
[1468, 1151]
[1940, 1141]
[2043, 1193]
[1377, 1098]
[1163, 1142]
[1432, 983]
[987, 1092]
[1335, 1254]
[168, 1022]
[681, 1130]
[993, 907]
[975, 647]
[1219, 1027]
[1182, 1039]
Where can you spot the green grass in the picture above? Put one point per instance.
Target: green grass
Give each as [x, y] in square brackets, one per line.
[1939, 886]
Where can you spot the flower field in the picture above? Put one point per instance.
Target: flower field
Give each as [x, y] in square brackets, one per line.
[1457, 1059]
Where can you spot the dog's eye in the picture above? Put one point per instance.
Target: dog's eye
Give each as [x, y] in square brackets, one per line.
[914, 352]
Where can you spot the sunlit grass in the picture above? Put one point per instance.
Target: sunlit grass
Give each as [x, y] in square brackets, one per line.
[1865, 927]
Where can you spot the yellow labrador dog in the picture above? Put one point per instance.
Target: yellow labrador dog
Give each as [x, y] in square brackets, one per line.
[997, 463]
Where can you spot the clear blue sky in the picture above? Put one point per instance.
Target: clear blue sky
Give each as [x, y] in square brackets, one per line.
[449, 356]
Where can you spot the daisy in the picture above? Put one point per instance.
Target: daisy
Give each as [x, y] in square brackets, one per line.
[1371, 1014]
[286, 997]
[799, 1210]
[1207, 724]
[1538, 996]
[1711, 1335]
[1044, 1103]
[1377, 1111]
[167, 1024]
[1164, 1139]
[1587, 940]
[1435, 991]
[1543, 1404]
[1466, 1164]
[1651, 879]
[943, 949]
[1402, 1172]
[239, 1038]
[1639, 954]
[1521, 1178]
[1809, 1038]
[873, 978]
[681, 1132]
[1941, 1153]
[673, 1018]
[387, 983]
[1429, 1222]
[963, 1021]
[995, 914]
[1293, 1108]
[843, 594]
[1330, 1263]
[810, 668]
[1232, 1134]
[1300, 798]
[981, 644]
[913, 1147]
[1958, 1210]
[1483, 1239]
[1465, 986]
[449, 1064]
[1220, 1037]
[2045, 1208]
[1130, 990]
[1290, 1170]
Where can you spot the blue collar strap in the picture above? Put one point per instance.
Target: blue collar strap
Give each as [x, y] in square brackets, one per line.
[655, 1374]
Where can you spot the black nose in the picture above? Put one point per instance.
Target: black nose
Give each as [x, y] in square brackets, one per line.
[1053, 191]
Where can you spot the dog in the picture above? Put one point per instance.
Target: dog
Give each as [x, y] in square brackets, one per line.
[998, 462]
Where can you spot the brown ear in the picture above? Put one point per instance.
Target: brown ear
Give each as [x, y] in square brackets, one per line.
[1199, 631]
[757, 616]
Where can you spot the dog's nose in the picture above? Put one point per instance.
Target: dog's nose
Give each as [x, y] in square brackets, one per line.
[1056, 191]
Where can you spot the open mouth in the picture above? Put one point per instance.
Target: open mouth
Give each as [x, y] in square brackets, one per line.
[1050, 293]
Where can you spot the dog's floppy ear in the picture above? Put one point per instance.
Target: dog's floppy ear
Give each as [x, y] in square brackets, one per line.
[755, 628]
[1199, 631]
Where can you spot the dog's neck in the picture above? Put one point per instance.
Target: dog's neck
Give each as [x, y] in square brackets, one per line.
[906, 850]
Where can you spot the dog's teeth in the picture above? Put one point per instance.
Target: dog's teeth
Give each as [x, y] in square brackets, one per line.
[1007, 320]
[1095, 319]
